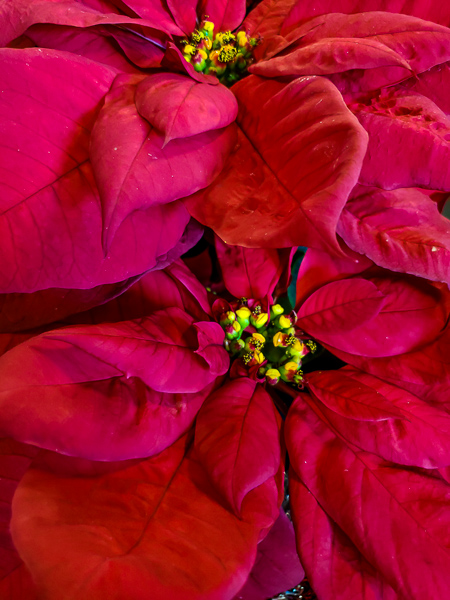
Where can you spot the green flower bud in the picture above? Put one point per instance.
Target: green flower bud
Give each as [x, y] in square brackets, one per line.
[275, 310]
[273, 376]
[236, 346]
[243, 316]
[227, 318]
[258, 321]
[233, 331]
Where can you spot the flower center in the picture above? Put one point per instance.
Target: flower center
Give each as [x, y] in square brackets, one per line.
[264, 344]
[225, 54]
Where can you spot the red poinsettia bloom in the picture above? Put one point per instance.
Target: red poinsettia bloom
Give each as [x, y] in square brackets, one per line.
[157, 137]
[136, 463]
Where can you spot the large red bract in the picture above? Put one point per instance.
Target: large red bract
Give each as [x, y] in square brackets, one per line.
[134, 462]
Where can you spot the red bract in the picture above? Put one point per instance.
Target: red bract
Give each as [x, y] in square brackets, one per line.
[276, 566]
[153, 526]
[395, 518]
[269, 193]
[99, 392]
[119, 134]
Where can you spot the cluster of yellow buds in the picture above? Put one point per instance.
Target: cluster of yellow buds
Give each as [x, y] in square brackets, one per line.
[225, 54]
[265, 340]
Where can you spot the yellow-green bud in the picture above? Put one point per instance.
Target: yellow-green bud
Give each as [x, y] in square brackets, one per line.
[243, 316]
[284, 322]
[207, 27]
[260, 320]
[227, 317]
[275, 310]
[288, 371]
[233, 331]
[273, 376]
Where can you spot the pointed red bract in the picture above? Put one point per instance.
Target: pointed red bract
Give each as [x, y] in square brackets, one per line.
[225, 14]
[180, 107]
[421, 43]
[398, 519]
[353, 400]
[155, 527]
[133, 167]
[249, 272]
[319, 268]
[402, 120]
[50, 226]
[335, 566]
[276, 567]
[184, 14]
[277, 198]
[423, 9]
[338, 55]
[173, 286]
[111, 392]
[411, 432]
[401, 230]
[237, 439]
[425, 372]
[326, 311]
[19, 312]
[21, 14]
[412, 315]
[88, 43]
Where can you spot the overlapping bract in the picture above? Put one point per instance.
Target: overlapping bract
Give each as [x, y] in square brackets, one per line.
[342, 145]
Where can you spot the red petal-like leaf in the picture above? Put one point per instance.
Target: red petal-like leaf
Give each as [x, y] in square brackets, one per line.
[328, 309]
[336, 568]
[352, 399]
[145, 52]
[50, 226]
[140, 348]
[401, 230]
[156, 12]
[184, 14]
[266, 20]
[278, 200]
[249, 272]
[318, 268]
[336, 55]
[97, 391]
[15, 459]
[405, 120]
[277, 567]
[156, 527]
[425, 373]
[225, 14]
[421, 43]
[21, 14]
[412, 315]
[237, 439]
[180, 107]
[26, 311]
[420, 437]
[398, 519]
[134, 169]
[173, 286]
[423, 9]
[88, 43]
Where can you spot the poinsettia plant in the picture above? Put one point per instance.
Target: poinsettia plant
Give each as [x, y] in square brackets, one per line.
[170, 357]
